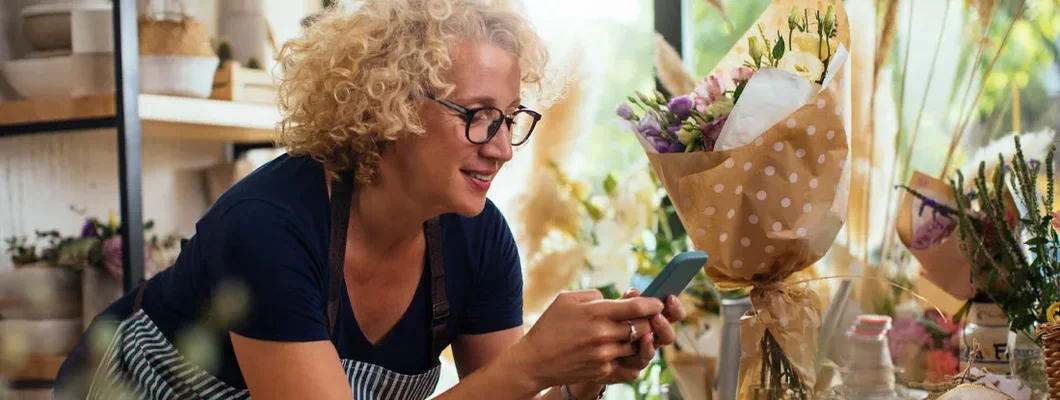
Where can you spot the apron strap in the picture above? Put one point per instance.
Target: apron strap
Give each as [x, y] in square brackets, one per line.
[439, 303]
[341, 200]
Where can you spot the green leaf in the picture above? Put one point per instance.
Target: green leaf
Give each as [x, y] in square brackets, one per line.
[610, 184]
[778, 50]
[1038, 241]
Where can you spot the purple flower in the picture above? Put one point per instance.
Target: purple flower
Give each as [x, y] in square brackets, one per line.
[661, 145]
[112, 256]
[676, 147]
[625, 112]
[711, 130]
[681, 106]
[932, 233]
[648, 126]
[673, 128]
[89, 229]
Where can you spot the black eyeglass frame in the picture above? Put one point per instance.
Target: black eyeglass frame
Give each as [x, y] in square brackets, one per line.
[495, 125]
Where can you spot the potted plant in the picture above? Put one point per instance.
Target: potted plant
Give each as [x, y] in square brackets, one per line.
[1024, 265]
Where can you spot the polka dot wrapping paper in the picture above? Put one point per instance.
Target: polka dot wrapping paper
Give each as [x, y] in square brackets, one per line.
[769, 208]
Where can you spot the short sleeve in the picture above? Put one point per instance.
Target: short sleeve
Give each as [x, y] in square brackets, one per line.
[260, 248]
[496, 301]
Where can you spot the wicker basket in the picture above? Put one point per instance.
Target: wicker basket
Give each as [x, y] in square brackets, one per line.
[1050, 337]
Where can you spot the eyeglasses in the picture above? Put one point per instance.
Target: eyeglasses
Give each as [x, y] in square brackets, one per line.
[484, 122]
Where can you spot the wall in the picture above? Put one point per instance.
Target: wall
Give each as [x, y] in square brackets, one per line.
[41, 176]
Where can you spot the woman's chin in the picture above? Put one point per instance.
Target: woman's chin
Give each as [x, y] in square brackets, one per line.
[469, 206]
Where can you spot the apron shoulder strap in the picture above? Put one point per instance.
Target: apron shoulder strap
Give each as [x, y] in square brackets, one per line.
[341, 200]
[439, 302]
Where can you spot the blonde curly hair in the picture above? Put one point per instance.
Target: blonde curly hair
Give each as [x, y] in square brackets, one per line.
[354, 79]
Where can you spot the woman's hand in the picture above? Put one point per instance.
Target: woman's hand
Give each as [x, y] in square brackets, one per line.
[581, 337]
[658, 333]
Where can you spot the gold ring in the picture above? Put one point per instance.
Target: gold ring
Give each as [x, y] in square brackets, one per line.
[632, 332]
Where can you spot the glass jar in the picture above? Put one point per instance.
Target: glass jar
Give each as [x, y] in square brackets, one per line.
[868, 373]
[988, 325]
[1026, 361]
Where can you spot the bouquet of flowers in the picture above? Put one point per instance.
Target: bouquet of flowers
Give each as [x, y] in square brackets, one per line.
[925, 346]
[927, 226]
[754, 162]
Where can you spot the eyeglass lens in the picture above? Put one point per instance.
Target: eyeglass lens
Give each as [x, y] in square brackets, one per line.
[487, 122]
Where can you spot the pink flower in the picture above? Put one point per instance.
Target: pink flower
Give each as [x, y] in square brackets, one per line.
[907, 330]
[944, 323]
[932, 233]
[712, 130]
[1055, 222]
[112, 261]
[939, 364]
[742, 74]
[708, 91]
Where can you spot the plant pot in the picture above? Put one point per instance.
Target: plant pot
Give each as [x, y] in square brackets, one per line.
[988, 325]
[1049, 335]
[40, 291]
[99, 289]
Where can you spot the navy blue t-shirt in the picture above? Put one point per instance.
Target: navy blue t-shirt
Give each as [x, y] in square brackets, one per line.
[269, 235]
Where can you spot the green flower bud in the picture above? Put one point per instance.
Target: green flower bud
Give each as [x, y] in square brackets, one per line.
[645, 99]
[829, 20]
[793, 18]
[756, 47]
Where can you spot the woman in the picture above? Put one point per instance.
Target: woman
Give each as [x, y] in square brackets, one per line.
[371, 246]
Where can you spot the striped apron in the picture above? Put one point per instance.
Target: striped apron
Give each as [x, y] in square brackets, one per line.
[140, 363]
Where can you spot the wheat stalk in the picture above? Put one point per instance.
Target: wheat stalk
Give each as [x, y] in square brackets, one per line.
[962, 124]
[670, 70]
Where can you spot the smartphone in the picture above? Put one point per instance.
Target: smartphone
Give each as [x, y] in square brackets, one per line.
[676, 276]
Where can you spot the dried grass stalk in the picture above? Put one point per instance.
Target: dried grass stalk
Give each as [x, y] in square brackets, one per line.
[670, 70]
[985, 10]
[551, 274]
[718, 5]
[888, 32]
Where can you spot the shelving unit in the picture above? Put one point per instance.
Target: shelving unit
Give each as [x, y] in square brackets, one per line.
[136, 116]
[160, 116]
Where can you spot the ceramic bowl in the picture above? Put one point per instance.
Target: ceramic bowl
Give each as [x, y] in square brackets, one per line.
[184, 76]
[34, 78]
[47, 26]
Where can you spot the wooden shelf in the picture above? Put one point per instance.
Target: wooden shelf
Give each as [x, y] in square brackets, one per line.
[37, 368]
[160, 116]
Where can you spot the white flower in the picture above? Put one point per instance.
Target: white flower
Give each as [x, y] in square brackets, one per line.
[811, 43]
[803, 64]
[612, 259]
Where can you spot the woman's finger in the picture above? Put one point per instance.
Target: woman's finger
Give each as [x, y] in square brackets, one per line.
[631, 293]
[664, 332]
[673, 310]
[645, 353]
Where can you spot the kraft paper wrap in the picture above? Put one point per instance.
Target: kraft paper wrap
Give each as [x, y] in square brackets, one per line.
[943, 264]
[768, 209]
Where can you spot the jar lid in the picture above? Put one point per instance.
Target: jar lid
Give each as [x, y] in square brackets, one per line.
[872, 325]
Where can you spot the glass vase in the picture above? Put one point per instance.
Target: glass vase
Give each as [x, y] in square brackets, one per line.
[1026, 361]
